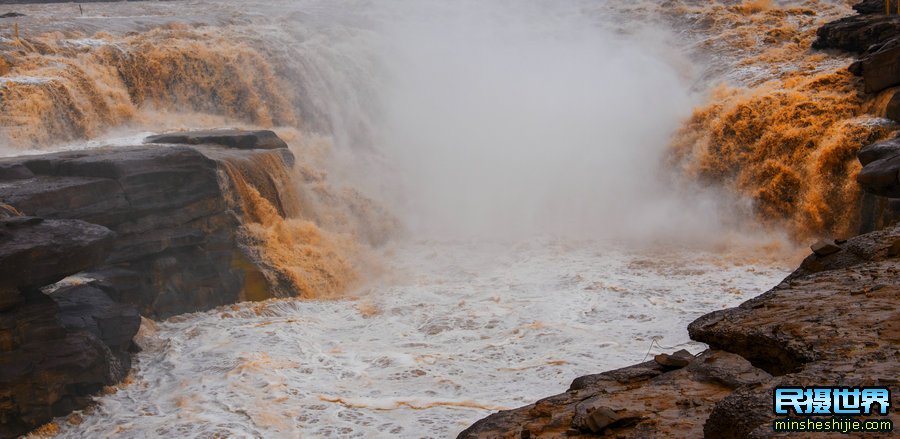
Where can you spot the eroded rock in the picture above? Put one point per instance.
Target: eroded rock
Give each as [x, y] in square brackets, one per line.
[679, 359]
[239, 139]
[172, 208]
[876, 37]
[56, 352]
[825, 247]
[35, 252]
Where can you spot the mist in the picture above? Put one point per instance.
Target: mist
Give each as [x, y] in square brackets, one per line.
[509, 119]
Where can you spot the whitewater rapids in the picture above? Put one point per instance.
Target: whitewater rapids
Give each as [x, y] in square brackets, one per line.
[455, 331]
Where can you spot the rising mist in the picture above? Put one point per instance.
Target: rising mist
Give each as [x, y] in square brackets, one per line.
[509, 119]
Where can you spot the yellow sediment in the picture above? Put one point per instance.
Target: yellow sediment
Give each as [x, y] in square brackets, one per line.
[54, 90]
[788, 139]
[314, 261]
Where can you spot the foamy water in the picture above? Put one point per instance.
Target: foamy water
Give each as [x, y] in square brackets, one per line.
[453, 332]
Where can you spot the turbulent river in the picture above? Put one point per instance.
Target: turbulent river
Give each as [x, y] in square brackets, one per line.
[457, 330]
[485, 127]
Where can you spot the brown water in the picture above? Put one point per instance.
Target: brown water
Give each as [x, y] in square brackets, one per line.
[784, 127]
[507, 115]
[780, 128]
[314, 261]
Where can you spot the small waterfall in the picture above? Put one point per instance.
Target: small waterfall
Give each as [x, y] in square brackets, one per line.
[299, 259]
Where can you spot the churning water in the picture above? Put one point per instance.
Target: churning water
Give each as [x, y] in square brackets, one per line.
[455, 331]
[483, 126]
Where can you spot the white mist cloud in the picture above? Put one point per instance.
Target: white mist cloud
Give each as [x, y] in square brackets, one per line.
[516, 118]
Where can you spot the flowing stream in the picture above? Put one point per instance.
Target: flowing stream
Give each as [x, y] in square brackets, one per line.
[526, 146]
[457, 330]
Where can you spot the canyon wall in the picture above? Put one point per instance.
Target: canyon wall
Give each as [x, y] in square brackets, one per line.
[184, 223]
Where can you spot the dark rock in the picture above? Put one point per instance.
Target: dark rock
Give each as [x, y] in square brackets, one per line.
[679, 359]
[55, 352]
[875, 37]
[87, 307]
[14, 171]
[881, 177]
[239, 139]
[36, 252]
[894, 249]
[878, 151]
[880, 68]
[892, 108]
[150, 228]
[825, 247]
[869, 7]
[173, 208]
[857, 33]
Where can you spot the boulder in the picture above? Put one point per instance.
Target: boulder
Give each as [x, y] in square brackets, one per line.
[881, 177]
[825, 247]
[174, 209]
[875, 38]
[880, 68]
[57, 351]
[880, 174]
[238, 139]
[892, 107]
[35, 252]
[857, 33]
[673, 361]
[869, 7]
[879, 150]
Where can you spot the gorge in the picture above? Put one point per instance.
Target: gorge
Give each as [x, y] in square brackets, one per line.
[393, 219]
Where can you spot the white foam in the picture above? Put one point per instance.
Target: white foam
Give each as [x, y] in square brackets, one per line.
[461, 329]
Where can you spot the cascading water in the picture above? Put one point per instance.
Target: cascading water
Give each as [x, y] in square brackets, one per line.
[524, 146]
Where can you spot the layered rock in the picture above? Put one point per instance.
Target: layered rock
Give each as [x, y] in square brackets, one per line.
[876, 37]
[238, 139]
[880, 174]
[150, 229]
[834, 322]
[58, 349]
[173, 208]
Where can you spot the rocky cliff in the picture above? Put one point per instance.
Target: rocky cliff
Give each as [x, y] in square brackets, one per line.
[875, 38]
[156, 229]
[174, 209]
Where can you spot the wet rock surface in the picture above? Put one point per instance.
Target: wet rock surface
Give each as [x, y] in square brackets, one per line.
[55, 350]
[150, 229]
[873, 35]
[172, 208]
[835, 325]
[35, 251]
[240, 139]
